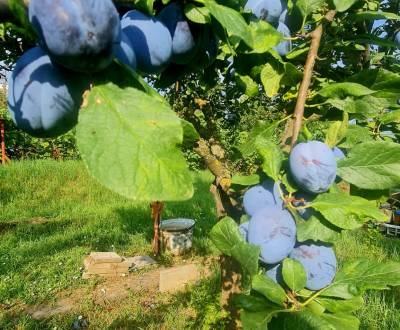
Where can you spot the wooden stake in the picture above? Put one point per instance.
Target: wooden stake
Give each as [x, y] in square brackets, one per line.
[156, 210]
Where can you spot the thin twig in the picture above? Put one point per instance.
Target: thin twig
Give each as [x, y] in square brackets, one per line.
[308, 73]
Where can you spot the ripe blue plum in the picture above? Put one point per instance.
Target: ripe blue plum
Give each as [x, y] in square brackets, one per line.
[244, 229]
[319, 262]
[339, 154]
[285, 46]
[125, 52]
[274, 231]
[151, 40]
[313, 166]
[268, 10]
[397, 39]
[43, 98]
[183, 43]
[81, 35]
[260, 196]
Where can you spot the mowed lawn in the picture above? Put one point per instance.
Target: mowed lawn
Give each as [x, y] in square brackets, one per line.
[53, 214]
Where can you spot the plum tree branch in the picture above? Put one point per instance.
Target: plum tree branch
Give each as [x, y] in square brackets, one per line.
[308, 73]
[217, 168]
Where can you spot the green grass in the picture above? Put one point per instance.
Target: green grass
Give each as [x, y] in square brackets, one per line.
[54, 213]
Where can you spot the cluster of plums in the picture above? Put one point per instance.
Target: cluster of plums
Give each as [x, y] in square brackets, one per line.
[272, 227]
[80, 37]
[274, 12]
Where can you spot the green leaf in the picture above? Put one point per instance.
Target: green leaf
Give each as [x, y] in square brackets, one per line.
[257, 320]
[356, 134]
[390, 117]
[307, 7]
[367, 105]
[335, 305]
[246, 84]
[115, 135]
[374, 15]
[263, 36]
[269, 289]
[341, 321]
[200, 15]
[372, 165]
[341, 90]
[225, 235]
[246, 180]
[366, 274]
[272, 156]
[190, 135]
[231, 20]
[265, 129]
[247, 255]
[252, 302]
[292, 75]
[145, 6]
[271, 78]
[336, 132]
[347, 212]
[294, 274]
[307, 320]
[343, 5]
[317, 229]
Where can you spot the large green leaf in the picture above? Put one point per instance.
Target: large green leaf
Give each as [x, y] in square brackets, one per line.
[252, 302]
[272, 156]
[307, 320]
[365, 274]
[200, 15]
[257, 320]
[225, 235]
[263, 36]
[372, 165]
[115, 135]
[246, 84]
[367, 105]
[345, 211]
[231, 20]
[268, 288]
[294, 274]
[317, 229]
[341, 90]
[390, 117]
[375, 15]
[341, 321]
[335, 305]
[356, 134]
[271, 77]
[265, 129]
[307, 7]
[343, 5]
[336, 132]
[247, 255]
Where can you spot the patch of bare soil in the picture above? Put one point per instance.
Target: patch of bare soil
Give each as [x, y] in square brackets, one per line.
[104, 294]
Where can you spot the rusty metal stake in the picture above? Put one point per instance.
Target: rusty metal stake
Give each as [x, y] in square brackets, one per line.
[156, 210]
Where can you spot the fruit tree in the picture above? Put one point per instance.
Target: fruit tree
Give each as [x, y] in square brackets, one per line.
[332, 70]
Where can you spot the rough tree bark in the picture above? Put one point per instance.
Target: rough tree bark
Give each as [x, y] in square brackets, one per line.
[231, 276]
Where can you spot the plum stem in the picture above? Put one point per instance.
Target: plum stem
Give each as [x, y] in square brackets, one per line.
[315, 36]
